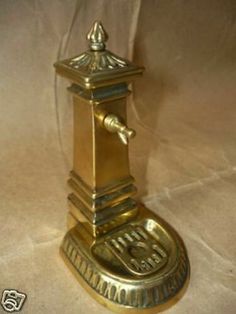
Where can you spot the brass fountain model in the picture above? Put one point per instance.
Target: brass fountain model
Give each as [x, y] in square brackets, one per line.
[128, 258]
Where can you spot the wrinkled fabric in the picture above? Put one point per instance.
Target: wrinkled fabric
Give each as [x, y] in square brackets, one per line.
[183, 157]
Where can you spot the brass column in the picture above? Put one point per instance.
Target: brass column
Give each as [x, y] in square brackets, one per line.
[127, 257]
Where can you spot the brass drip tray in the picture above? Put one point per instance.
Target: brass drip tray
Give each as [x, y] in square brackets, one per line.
[140, 265]
[136, 249]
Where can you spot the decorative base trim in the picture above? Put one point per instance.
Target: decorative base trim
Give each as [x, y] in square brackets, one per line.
[139, 266]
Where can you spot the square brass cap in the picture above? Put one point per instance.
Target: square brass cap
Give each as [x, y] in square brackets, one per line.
[97, 67]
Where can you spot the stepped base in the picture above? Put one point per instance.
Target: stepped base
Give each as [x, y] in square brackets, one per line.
[139, 266]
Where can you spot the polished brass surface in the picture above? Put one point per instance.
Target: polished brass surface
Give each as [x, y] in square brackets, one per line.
[129, 259]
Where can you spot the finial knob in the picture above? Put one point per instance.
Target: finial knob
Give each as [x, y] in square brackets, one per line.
[97, 36]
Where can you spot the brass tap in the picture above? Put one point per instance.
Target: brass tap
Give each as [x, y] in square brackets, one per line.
[114, 125]
[130, 260]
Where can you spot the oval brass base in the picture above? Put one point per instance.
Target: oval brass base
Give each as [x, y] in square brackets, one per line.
[140, 266]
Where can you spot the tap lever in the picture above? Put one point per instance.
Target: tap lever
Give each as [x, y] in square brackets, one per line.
[114, 125]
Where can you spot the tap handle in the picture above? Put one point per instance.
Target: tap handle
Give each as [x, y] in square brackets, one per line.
[113, 124]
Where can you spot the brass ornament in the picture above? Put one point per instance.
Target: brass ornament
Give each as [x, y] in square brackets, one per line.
[125, 256]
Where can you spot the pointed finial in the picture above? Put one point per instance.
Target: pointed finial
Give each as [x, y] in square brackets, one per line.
[97, 36]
